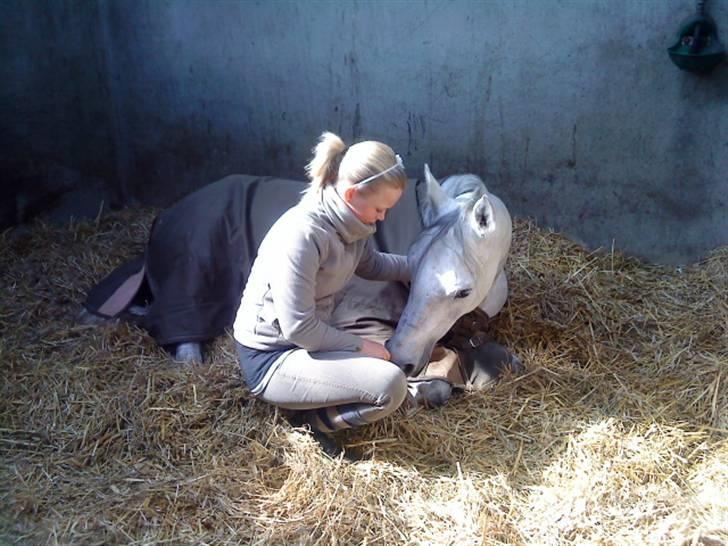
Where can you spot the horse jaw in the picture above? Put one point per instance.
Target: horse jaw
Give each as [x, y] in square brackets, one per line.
[496, 297]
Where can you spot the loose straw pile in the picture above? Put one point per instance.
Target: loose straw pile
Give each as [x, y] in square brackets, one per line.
[615, 435]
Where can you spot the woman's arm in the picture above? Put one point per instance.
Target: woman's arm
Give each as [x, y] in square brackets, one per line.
[380, 266]
[293, 287]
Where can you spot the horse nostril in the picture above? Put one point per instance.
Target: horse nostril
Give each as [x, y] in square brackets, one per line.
[408, 369]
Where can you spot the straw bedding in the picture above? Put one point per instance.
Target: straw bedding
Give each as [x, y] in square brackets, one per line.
[616, 435]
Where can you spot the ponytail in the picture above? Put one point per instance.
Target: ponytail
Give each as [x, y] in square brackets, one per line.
[371, 164]
[324, 167]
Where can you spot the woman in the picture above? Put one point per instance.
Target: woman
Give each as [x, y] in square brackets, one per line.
[289, 355]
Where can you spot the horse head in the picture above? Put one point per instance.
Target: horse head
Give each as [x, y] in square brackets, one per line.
[456, 262]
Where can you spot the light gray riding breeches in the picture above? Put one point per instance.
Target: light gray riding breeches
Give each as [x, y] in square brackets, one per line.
[335, 390]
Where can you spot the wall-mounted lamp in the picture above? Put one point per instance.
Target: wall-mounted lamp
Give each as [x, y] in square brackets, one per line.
[697, 48]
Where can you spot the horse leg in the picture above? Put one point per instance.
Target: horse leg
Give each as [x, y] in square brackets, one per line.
[429, 393]
[488, 362]
[189, 352]
[87, 318]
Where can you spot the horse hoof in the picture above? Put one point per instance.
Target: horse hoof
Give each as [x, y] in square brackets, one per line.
[490, 362]
[137, 310]
[188, 353]
[87, 318]
[517, 367]
[430, 393]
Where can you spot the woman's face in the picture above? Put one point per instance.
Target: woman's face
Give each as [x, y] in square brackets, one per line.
[373, 206]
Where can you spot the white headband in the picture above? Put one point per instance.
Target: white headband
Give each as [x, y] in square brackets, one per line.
[398, 163]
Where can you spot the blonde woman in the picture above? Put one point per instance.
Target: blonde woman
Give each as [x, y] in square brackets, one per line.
[289, 355]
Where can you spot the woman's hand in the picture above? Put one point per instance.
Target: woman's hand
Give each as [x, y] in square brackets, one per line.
[374, 349]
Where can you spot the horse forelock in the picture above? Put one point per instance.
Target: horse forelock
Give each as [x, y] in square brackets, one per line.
[452, 225]
[440, 228]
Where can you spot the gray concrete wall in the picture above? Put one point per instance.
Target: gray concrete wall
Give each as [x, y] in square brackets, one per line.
[571, 110]
[55, 130]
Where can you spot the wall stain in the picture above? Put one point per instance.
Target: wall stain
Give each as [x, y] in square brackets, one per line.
[356, 126]
[415, 126]
[409, 136]
[571, 163]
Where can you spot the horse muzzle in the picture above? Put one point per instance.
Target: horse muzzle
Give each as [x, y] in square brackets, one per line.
[411, 366]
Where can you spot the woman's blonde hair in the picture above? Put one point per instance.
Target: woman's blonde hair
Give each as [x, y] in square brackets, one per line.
[333, 161]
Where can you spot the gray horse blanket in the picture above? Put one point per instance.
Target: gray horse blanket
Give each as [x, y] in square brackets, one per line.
[199, 255]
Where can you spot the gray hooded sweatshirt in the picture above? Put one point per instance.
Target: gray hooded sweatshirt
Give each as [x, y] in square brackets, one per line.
[309, 254]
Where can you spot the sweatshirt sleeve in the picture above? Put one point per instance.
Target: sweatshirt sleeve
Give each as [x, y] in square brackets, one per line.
[293, 287]
[380, 266]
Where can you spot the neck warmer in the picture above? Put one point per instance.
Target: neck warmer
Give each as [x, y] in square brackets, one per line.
[346, 223]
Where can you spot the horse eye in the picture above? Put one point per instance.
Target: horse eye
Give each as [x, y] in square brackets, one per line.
[464, 293]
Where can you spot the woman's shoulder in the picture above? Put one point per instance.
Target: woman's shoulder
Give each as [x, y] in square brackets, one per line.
[302, 225]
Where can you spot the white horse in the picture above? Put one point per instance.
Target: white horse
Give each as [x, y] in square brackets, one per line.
[457, 265]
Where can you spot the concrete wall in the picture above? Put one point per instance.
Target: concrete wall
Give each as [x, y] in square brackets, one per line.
[55, 130]
[570, 110]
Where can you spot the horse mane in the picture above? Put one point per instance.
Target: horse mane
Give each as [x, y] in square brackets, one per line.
[444, 225]
[463, 187]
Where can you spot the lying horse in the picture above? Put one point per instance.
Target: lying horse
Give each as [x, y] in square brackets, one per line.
[187, 286]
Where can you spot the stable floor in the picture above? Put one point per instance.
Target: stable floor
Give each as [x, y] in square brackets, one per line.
[617, 433]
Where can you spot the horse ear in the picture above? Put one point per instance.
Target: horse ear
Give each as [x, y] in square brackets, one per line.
[482, 217]
[431, 199]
